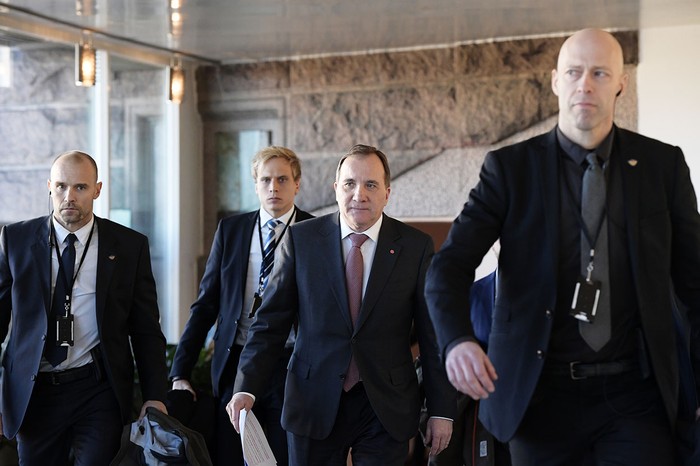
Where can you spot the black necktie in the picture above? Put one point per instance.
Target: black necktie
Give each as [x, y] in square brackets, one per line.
[596, 334]
[61, 298]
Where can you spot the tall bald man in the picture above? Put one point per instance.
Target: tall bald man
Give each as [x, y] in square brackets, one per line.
[597, 225]
[80, 296]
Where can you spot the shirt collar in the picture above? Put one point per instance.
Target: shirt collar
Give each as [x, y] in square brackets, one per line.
[372, 232]
[578, 154]
[285, 218]
[82, 233]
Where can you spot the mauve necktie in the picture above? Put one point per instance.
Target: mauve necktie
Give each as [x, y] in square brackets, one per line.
[354, 268]
[596, 334]
[61, 296]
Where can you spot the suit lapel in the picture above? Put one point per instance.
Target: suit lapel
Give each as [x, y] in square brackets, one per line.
[334, 263]
[107, 259]
[250, 227]
[385, 257]
[547, 158]
[627, 160]
[42, 259]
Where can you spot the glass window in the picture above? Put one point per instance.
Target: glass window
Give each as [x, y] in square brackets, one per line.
[43, 113]
[235, 151]
[138, 156]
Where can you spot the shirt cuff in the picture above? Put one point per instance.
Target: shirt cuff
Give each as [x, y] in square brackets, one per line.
[246, 393]
[440, 417]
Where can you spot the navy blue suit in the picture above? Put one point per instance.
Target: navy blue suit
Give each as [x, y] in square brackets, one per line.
[308, 284]
[221, 302]
[125, 303]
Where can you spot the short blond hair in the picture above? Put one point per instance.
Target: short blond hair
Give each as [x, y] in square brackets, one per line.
[271, 152]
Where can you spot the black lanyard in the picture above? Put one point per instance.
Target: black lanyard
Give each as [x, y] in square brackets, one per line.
[61, 272]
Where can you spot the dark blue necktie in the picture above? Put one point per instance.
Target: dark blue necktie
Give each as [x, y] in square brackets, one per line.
[268, 254]
[61, 298]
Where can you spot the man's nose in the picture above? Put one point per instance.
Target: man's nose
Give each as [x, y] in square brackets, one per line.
[584, 84]
[358, 193]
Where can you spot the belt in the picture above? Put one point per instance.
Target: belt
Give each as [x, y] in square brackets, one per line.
[577, 370]
[67, 376]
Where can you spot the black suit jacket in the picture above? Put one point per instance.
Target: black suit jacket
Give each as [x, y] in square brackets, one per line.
[125, 302]
[308, 283]
[517, 200]
[221, 294]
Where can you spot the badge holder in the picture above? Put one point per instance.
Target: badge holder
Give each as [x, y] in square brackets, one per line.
[586, 296]
[64, 328]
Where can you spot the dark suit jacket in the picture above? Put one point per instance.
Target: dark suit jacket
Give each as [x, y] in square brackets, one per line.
[517, 200]
[127, 314]
[308, 283]
[221, 294]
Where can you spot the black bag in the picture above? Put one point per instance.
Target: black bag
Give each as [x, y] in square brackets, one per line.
[160, 440]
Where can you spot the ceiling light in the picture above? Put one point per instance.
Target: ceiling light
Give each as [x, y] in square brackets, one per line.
[85, 63]
[177, 82]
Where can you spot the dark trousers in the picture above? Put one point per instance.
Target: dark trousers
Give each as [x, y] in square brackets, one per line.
[267, 408]
[356, 427]
[613, 420]
[471, 444]
[80, 417]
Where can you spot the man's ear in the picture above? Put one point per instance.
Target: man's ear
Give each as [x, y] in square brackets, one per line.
[554, 83]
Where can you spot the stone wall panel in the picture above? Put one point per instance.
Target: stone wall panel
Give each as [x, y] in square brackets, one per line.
[514, 103]
[212, 82]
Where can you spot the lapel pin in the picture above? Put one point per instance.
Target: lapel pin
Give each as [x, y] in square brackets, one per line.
[632, 162]
[112, 257]
[391, 251]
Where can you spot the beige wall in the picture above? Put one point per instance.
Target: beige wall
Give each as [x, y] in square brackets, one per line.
[669, 94]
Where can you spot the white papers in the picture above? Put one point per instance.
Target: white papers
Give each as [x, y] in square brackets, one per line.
[256, 450]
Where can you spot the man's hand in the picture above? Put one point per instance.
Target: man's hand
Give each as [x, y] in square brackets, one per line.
[184, 384]
[470, 371]
[153, 404]
[437, 434]
[238, 402]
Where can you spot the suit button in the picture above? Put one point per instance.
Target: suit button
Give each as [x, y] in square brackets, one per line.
[540, 354]
[228, 349]
[548, 313]
[43, 337]
[342, 376]
[33, 377]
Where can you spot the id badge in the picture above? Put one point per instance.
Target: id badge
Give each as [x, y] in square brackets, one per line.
[64, 330]
[585, 302]
[257, 301]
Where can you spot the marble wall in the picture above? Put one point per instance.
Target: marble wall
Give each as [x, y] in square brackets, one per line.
[434, 112]
[41, 115]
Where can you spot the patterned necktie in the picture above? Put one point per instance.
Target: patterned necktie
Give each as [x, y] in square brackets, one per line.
[354, 269]
[61, 297]
[268, 254]
[596, 334]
